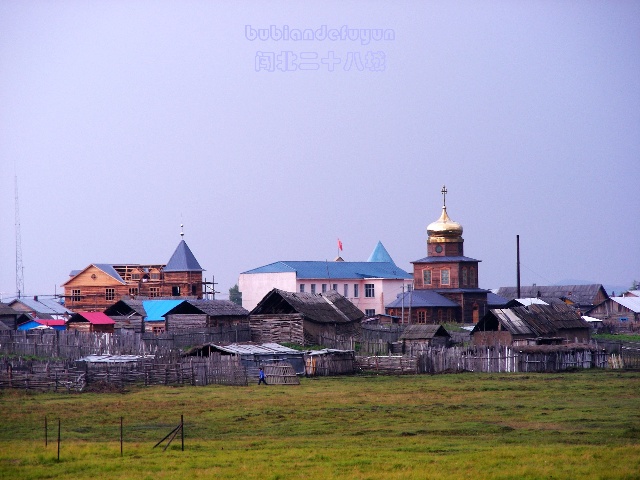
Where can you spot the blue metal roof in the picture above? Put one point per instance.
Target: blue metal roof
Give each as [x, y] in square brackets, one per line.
[445, 259]
[380, 254]
[337, 270]
[183, 260]
[157, 309]
[421, 298]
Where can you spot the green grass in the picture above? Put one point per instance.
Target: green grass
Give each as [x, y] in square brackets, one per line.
[571, 425]
[617, 337]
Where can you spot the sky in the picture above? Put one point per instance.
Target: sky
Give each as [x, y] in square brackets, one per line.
[122, 120]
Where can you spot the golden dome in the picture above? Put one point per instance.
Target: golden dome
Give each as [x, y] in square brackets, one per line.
[444, 227]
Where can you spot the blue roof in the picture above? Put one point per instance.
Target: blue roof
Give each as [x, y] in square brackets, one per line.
[421, 298]
[157, 309]
[337, 270]
[183, 260]
[445, 259]
[380, 254]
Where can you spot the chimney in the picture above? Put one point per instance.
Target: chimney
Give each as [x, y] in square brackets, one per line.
[35, 297]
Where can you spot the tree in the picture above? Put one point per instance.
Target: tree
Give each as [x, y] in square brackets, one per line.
[235, 295]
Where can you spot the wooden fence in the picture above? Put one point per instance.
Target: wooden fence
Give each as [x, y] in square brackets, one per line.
[72, 344]
[78, 376]
[494, 360]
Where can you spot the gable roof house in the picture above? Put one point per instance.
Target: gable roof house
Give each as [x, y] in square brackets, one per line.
[535, 324]
[38, 307]
[304, 318]
[368, 285]
[96, 322]
[10, 318]
[417, 337]
[582, 297]
[619, 313]
[200, 314]
[99, 285]
[128, 313]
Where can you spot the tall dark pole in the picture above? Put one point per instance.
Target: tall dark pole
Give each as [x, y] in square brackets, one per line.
[518, 263]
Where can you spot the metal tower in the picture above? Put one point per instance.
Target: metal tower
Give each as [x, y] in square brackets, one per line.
[19, 266]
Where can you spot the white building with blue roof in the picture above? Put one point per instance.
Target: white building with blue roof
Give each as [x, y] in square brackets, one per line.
[368, 285]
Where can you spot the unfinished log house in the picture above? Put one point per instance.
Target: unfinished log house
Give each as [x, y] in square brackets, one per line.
[100, 285]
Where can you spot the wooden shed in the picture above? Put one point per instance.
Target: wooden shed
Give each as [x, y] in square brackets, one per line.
[194, 314]
[535, 324]
[128, 313]
[417, 336]
[91, 322]
[303, 318]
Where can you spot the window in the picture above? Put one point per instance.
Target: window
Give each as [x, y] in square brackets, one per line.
[302, 288]
[75, 295]
[194, 289]
[154, 291]
[324, 288]
[472, 275]
[346, 290]
[355, 290]
[159, 329]
[464, 276]
[369, 312]
[175, 290]
[422, 316]
[334, 287]
[155, 276]
[444, 276]
[133, 291]
[313, 288]
[426, 277]
[369, 290]
[135, 276]
[109, 293]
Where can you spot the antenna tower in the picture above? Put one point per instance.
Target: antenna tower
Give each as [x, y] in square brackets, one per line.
[19, 266]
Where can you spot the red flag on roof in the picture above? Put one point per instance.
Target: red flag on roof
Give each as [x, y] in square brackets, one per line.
[339, 245]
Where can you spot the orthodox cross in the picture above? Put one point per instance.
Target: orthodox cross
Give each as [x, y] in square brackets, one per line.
[444, 195]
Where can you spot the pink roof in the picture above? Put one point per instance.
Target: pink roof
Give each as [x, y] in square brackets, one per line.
[96, 318]
[50, 323]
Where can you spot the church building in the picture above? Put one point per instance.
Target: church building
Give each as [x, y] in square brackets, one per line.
[445, 282]
[100, 285]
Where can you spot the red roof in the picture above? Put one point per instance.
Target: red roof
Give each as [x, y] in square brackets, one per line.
[50, 323]
[94, 318]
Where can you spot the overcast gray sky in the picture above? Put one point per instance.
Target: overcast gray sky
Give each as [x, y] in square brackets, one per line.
[124, 119]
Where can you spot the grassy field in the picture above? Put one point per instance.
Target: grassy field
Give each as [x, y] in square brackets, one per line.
[571, 425]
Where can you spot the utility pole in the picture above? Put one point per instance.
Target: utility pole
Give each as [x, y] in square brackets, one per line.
[19, 266]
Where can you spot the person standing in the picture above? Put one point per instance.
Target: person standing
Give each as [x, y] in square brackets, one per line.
[261, 377]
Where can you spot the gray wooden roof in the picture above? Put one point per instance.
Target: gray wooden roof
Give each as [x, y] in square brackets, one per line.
[423, 332]
[330, 307]
[579, 294]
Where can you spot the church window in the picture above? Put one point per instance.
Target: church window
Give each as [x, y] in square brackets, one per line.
[422, 316]
[464, 276]
[444, 276]
[194, 289]
[109, 293]
[426, 277]
[472, 275]
[369, 290]
[75, 295]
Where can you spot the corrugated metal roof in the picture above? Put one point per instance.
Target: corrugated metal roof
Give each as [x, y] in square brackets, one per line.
[43, 305]
[254, 349]
[157, 309]
[512, 322]
[632, 303]
[525, 302]
[380, 254]
[183, 260]
[335, 270]
[94, 318]
[421, 298]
